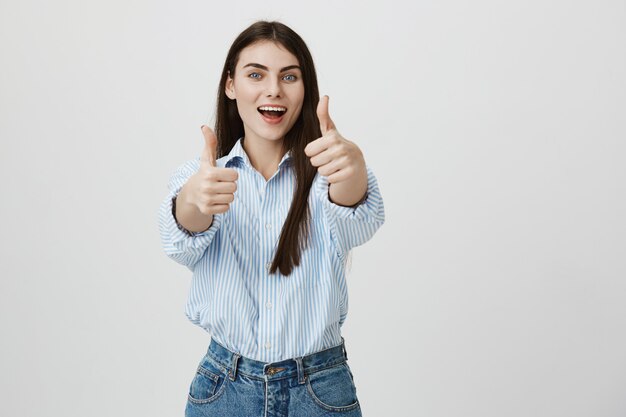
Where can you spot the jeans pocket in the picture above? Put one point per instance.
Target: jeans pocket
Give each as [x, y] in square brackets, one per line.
[333, 388]
[208, 383]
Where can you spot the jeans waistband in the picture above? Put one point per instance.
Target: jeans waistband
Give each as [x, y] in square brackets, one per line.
[287, 368]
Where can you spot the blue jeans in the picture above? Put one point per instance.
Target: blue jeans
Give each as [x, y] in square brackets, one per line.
[227, 384]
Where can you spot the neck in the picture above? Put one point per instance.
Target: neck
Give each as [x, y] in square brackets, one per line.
[264, 155]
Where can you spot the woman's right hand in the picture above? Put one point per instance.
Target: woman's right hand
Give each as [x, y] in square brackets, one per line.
[211, 189]
[207, 192]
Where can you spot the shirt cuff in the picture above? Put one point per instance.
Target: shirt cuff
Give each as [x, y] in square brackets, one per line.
[178, 233]
[363, 210]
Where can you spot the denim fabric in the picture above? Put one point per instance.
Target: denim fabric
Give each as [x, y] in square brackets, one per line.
[227, 384]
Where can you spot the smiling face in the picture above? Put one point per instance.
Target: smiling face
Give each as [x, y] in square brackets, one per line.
[268, 89]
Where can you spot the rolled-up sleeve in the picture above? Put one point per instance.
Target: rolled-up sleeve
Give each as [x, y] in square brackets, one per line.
[353, 226]
[181, 245]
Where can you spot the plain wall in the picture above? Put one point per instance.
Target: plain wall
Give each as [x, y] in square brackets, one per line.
[496, 130]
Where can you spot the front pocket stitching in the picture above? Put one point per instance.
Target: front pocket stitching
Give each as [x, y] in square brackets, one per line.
[208, 374]
[326, 406]
[212, 398]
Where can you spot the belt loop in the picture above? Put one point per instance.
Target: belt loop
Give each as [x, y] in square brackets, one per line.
[300, 370]
[343, 346]
[232, 374]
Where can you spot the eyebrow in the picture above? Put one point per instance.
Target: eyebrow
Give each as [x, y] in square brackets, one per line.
[263, 67]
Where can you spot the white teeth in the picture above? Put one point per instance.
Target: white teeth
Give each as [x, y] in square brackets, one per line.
[268, 108]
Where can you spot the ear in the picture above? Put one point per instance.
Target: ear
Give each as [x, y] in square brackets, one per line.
[229, 89]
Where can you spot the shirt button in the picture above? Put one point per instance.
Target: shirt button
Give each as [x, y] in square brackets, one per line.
[268, 345]
[268, 305]
[267, 265]
[268, 226]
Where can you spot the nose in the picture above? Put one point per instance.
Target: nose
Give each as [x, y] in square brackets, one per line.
[273, 88]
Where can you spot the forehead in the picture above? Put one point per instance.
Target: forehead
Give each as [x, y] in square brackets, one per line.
[270, 54]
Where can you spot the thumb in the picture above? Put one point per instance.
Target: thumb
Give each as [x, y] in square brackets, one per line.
[326, 122]
[210, 146]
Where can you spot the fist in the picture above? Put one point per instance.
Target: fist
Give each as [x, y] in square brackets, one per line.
[212, 189]
[334, 156]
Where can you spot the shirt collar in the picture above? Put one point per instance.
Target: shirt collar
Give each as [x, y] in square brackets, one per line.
[237, 154]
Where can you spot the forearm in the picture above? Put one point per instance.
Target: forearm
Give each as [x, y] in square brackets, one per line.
[189, 216]
[351, 191]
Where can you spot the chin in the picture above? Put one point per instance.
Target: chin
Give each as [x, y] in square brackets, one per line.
[273, 135]
[276, 133]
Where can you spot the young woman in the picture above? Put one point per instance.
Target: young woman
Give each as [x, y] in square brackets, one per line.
[265, 219]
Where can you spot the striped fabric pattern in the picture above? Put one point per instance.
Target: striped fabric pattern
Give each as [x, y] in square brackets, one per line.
[262, 316]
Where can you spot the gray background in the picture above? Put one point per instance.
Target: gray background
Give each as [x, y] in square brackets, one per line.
[496, 130]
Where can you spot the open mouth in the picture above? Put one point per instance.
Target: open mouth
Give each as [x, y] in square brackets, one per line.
[272, 112]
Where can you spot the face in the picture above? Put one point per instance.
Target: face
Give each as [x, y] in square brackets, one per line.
[269, 90]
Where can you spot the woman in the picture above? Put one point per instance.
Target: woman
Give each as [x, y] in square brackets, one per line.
[265, 219]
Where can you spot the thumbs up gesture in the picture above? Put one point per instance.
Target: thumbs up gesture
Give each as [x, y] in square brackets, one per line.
[211, 189]
[338, 159]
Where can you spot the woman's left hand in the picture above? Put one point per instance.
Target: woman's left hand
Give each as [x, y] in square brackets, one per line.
[334, 156]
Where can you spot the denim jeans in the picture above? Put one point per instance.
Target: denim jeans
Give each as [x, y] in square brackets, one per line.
[227, 384]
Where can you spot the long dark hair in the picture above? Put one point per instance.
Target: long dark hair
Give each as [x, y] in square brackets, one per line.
[229, 128]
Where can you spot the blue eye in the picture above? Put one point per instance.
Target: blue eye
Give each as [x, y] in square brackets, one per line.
[255, 75]
[289, 77]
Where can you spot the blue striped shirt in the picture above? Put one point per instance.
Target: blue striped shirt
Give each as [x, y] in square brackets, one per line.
[268, 317]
